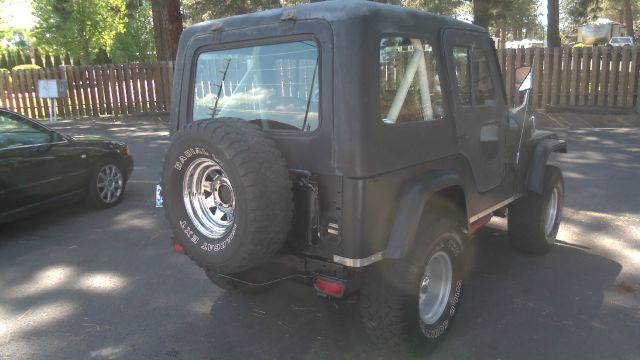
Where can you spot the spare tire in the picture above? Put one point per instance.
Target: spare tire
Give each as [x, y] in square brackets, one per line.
[227, 194]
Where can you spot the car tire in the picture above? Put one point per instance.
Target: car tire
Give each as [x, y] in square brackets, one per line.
[405, 302]
[227, 194]
[107, 183]
[534, 219]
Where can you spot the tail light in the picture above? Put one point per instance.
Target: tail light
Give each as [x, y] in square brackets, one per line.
[329, 287]
[178, 247]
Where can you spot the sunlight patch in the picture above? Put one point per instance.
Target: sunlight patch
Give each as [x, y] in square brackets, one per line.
[110, 352]
[46, 279]
[101, 282]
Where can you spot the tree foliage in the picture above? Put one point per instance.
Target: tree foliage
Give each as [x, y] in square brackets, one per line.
[14, 38]
[80, 27]
[136, 42]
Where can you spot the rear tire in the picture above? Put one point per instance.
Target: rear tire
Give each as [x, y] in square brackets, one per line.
[404, 302]
[535, 218]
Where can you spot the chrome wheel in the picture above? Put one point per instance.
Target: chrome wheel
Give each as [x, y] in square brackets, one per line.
[435, 287]
[552, 212]
[109, 183]
[209, 198]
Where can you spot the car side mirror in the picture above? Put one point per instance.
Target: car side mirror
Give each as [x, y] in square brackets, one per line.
[523, 78]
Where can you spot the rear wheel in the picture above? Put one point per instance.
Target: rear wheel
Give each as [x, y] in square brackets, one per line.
[413, 302]
[534, 219]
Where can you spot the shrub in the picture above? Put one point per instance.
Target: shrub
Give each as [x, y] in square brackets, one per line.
[26, 67]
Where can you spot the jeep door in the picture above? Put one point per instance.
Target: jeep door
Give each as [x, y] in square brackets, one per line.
[479, 107]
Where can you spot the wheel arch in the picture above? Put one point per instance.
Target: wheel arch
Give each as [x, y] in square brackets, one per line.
[419, 194]
[539, 159]
[107, 155]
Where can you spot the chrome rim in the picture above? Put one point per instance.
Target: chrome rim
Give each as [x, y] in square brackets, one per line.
[435, 287]
[209, 198]
[552, 212]
[109, 183]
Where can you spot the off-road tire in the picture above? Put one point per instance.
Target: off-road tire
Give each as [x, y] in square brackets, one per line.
[390, 292]
[93, 197]
[527, 216]
[262, 193]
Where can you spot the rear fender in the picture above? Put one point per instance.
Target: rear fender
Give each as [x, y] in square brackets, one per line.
[411, 207]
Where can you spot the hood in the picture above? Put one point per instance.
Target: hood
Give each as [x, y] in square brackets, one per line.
[89, 138]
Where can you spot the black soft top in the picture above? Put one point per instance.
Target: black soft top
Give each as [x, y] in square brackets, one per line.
[333, 11]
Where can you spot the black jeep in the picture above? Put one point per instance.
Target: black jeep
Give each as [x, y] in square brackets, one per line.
[359, 142]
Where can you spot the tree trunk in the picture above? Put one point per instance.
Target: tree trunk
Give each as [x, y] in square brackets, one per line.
[628, 17]
[167, 26]
[481, 13]
[553, 23]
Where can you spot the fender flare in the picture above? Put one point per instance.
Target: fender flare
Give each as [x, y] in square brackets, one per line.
[539, 159]
[410, 209]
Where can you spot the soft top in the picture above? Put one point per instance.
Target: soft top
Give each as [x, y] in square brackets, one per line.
[332, 11]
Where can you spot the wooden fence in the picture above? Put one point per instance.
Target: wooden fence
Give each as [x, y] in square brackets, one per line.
[563, 77]
[576, 77]
[94, 91]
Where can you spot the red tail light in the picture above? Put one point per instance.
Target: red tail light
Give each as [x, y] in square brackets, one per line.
[330, 287]
[178, 247]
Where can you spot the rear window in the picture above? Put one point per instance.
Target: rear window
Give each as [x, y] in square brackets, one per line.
[274, 86]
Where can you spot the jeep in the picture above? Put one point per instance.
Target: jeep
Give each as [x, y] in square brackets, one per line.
[357, 146]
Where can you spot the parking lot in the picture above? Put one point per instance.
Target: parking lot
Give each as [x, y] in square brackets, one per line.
[77, 283]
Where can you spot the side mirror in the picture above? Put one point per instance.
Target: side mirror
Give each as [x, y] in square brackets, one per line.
[523, 78]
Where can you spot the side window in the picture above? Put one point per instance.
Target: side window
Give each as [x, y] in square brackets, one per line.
[14, 133]
[463, 74]
[483, 87]
[409, 83]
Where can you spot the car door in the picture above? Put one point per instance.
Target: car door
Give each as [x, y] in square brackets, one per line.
[479, 107]
[26, 166]
[72, 163]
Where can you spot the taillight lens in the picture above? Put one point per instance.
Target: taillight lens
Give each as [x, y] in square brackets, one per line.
[329, 287]
[178, 247]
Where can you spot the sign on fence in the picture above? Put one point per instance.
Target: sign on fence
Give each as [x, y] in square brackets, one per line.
[52, 89]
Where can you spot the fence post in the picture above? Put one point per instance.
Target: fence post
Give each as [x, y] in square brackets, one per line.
[633, 88]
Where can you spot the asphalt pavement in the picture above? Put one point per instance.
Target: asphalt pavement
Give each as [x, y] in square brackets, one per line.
[77, 283]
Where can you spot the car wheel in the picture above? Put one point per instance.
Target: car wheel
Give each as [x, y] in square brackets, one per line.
[534, 219]
[107, 185]
[413, 302]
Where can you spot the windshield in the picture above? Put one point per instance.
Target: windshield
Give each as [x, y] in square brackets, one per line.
[621, 41]
[274, 86]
